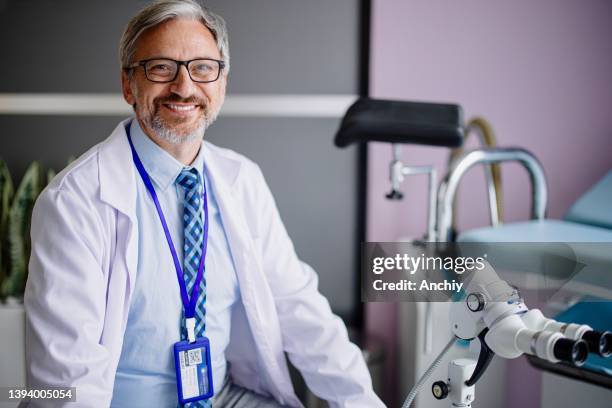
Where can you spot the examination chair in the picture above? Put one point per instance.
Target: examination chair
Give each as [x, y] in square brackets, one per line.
[586, 230]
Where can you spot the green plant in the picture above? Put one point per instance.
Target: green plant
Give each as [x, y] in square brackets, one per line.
[50, 174]
[6, 197]
[15, 220]
[18, 237]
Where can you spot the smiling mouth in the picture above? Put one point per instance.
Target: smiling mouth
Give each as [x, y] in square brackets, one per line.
[181, 107]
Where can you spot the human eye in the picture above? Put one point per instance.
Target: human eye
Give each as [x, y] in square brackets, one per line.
[202, 67]
[160, 67]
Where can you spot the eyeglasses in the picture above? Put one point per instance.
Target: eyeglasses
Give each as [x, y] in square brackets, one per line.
[163, 70]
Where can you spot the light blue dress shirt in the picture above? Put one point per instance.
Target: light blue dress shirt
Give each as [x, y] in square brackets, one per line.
[145, 375]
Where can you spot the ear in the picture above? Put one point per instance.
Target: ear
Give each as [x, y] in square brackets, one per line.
[223, 82]
[126, 88]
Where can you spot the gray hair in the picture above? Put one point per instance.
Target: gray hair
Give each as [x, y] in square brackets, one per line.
[164, 10]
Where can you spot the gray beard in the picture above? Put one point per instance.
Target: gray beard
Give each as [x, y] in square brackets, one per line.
[170, 136]
[160, 128]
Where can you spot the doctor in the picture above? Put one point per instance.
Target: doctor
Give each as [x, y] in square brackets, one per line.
[153, 218]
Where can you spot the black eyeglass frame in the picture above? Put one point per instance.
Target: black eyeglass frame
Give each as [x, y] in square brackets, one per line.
[143, 64]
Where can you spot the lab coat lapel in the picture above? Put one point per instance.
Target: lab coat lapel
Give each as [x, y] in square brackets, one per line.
[118, 189]
[223, 173]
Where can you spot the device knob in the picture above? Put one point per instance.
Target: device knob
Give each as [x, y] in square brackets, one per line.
[476, 302]
[395, 195]
[439, 389]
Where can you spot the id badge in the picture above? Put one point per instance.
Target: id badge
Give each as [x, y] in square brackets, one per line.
[193, 371]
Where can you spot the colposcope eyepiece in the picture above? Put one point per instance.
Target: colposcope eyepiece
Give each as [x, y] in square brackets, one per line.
[571, 351]
[599, 342]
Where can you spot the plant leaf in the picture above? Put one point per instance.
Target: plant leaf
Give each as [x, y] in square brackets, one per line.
[20, 217]
[50, 174]
[6, 196]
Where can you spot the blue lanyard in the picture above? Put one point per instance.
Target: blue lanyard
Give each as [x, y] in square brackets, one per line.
[188, 303]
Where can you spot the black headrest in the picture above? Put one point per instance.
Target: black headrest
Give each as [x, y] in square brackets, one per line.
[369, 120]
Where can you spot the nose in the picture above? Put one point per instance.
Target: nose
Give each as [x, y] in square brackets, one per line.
[182, 85]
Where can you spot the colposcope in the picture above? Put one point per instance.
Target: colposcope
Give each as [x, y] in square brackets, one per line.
[493, 312]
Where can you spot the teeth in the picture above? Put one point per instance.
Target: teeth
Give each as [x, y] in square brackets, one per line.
[182, 107]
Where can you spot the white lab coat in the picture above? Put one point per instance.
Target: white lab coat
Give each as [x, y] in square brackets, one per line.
[82, 273]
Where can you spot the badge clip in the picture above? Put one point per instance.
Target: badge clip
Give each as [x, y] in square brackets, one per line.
[190, 325]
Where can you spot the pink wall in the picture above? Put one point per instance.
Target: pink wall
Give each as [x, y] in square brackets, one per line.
[539, 71]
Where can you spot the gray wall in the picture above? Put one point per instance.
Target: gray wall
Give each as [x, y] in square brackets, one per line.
[277, 47]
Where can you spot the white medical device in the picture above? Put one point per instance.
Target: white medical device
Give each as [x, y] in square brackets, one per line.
[494, 312]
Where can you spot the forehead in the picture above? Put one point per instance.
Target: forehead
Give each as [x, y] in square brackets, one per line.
[180, 39]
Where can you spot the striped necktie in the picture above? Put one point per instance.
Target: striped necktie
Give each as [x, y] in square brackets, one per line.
[193, 230]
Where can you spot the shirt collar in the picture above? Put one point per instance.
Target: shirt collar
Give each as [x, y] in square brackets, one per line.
[162, 167]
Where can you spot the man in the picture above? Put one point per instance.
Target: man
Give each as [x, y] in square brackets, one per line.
[154, 205]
